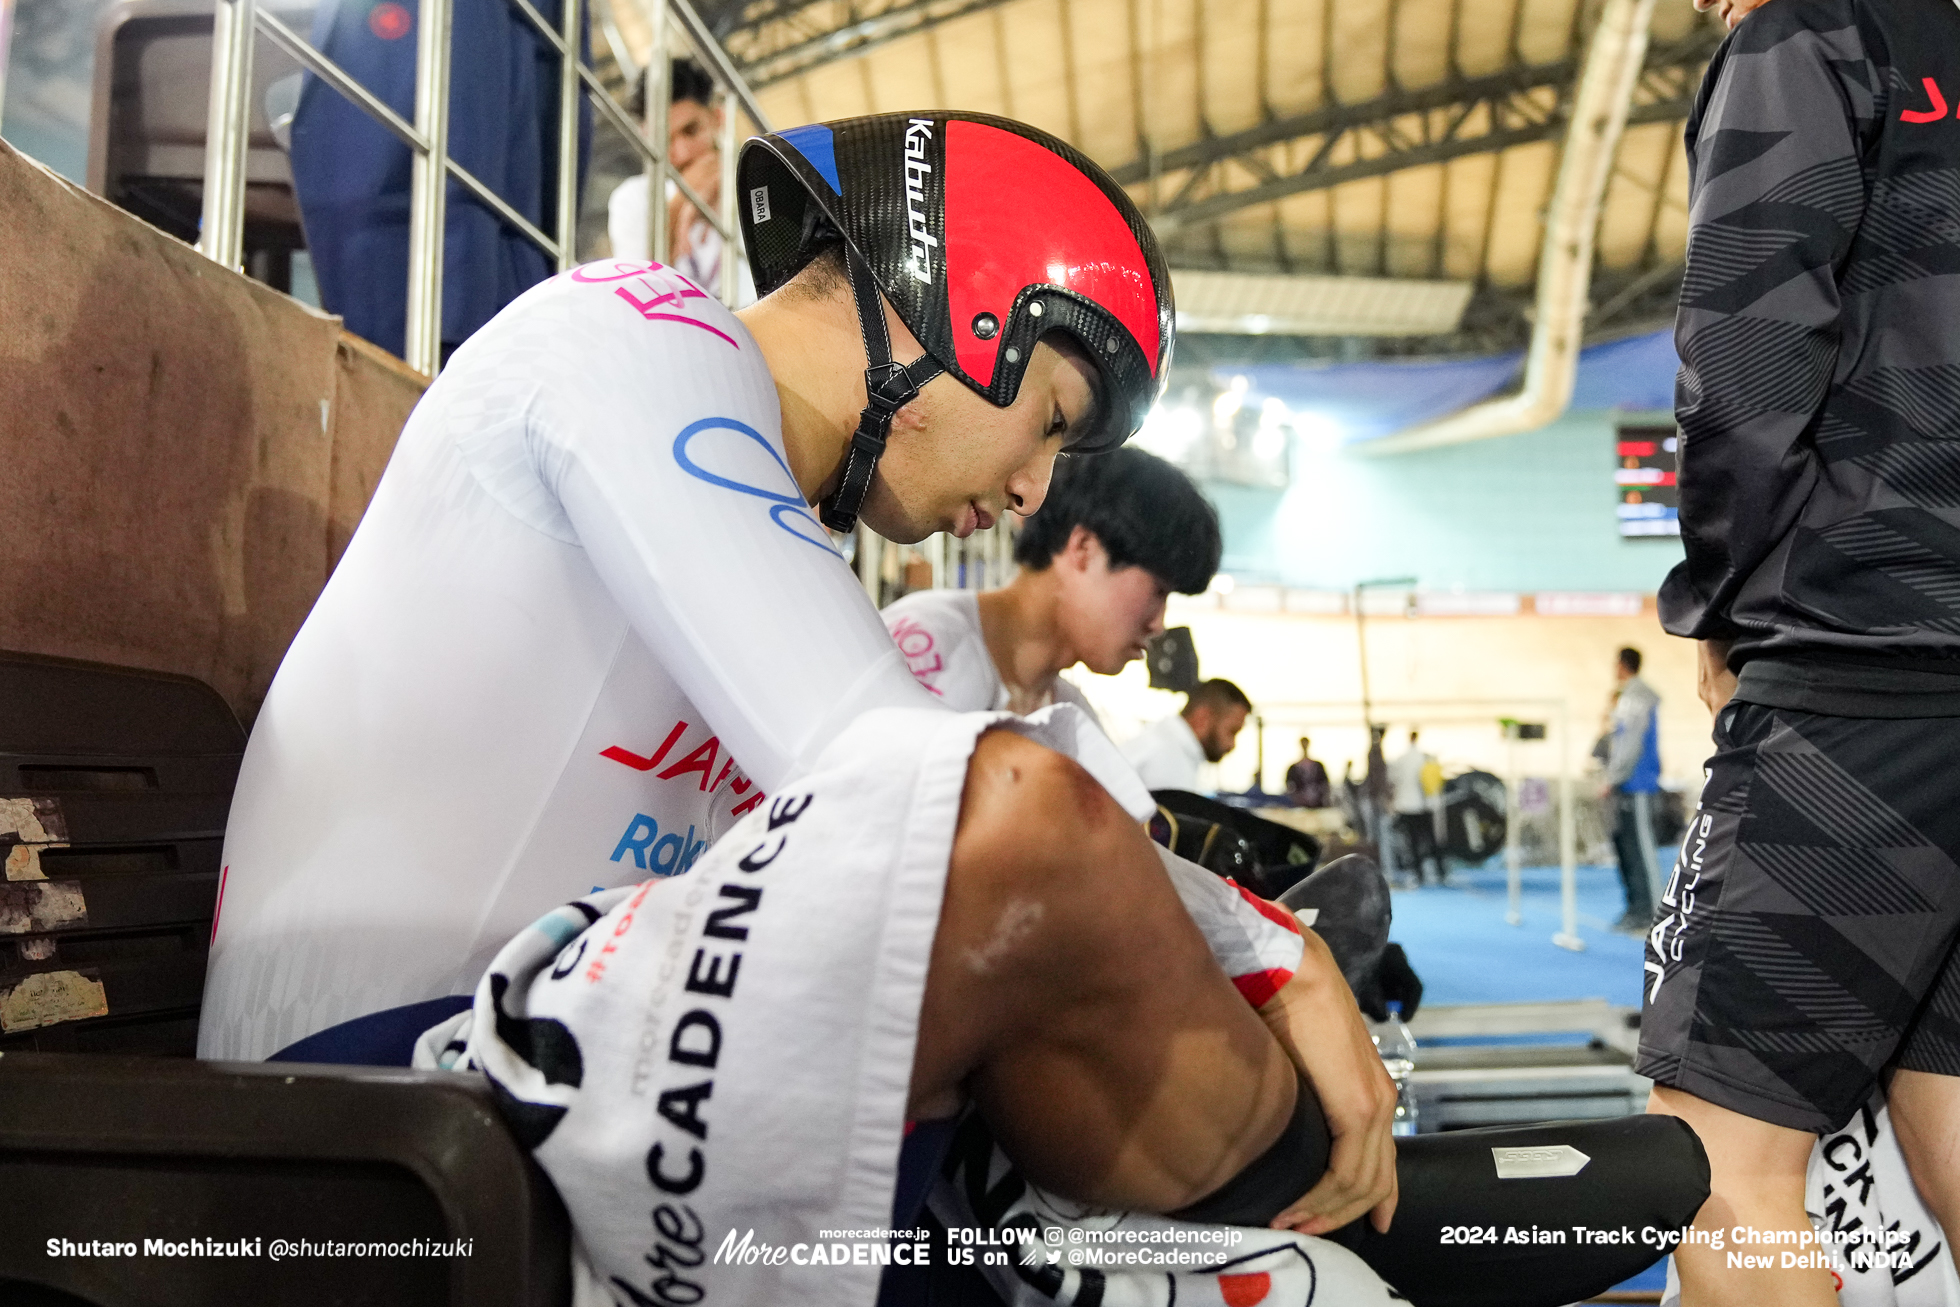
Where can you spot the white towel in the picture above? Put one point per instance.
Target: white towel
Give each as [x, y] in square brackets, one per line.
[1859, 1195]
[720, 1061]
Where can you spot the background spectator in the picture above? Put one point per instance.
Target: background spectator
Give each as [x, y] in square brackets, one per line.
[352, 177]
[1306, 781]
[694, 247]
[1412, 810]
[1169, 752]
[1633, 778]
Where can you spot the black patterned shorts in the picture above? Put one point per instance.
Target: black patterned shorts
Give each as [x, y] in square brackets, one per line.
[1806, 940]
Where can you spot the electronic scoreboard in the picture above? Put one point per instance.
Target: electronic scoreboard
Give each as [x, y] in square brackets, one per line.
[1644, 474]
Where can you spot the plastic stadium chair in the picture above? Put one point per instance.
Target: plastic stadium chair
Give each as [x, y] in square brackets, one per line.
[151, 1154]
[114, 788]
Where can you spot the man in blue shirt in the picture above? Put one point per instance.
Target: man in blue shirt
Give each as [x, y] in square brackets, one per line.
[1633, 778]
[353, 179]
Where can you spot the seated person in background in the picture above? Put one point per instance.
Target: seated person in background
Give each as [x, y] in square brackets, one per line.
[1168, 753]
[1117, 533]
[1306, 781]
[694, 247]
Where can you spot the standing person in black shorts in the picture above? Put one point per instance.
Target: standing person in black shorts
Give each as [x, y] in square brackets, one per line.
[1804, 948]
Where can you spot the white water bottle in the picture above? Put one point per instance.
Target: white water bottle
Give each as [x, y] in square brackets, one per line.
[1398, 1052]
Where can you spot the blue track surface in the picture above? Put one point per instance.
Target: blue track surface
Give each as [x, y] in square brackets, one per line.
[1459, 943]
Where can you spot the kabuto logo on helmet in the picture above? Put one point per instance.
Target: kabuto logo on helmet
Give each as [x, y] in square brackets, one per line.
[918, 134]
[1000, 236]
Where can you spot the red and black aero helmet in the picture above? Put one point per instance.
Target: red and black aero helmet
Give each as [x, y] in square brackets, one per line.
[985, 234]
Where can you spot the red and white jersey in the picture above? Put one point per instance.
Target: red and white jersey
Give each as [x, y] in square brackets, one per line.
[1262, 949]
[585, 623]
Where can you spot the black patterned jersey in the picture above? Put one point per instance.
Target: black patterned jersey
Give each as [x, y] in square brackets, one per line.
[1819, 332]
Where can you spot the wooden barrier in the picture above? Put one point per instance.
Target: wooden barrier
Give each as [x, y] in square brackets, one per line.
[184, 452]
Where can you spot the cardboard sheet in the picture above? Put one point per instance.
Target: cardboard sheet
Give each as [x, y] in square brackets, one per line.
[184, 452]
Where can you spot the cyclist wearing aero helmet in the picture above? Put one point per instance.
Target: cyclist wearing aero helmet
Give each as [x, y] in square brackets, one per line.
[931, 906]
[589, 619]
[589, 616]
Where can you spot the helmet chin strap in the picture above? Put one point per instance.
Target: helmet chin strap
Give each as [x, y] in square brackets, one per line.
[888, 387]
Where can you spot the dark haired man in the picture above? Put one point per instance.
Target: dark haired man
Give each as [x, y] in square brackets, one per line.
[1117, 533]
[1169, 752]
[694, 247]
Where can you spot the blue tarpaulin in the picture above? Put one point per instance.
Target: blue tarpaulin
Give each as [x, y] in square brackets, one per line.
[352, 175]
[1377, 398]
[1635, 373]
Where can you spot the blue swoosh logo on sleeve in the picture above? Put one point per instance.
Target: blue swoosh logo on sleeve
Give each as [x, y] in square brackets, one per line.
[789, 508]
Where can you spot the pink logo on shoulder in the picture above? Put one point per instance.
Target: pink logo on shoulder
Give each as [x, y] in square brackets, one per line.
[916, 643]
[656, 291]
[606, 270]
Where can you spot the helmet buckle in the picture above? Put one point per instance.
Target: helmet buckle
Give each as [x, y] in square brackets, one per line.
[889, 387]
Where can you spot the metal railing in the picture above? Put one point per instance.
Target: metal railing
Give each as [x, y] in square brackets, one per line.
[239, 22]
[1309, 716]
[6, 41]
[982, 561]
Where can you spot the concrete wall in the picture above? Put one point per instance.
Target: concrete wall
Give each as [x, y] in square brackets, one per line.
[1527, 512]
[184, 452]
